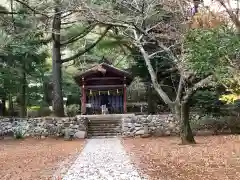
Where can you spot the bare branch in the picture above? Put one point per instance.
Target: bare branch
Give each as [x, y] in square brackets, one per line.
[180, 88]
[88, 48]
[232, 15]
[155, 53]
[11, 12]
[158, 87]
[202, 83]
[80, 35]
[30, 8]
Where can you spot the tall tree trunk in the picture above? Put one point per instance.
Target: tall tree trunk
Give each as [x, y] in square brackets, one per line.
[4, 106]
[1, 109]
[182, 113]
[23, 107]
[58, 108]
[150, 100]
[11, 108]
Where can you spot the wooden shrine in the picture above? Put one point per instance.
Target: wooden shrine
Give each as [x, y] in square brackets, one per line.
[103, 84]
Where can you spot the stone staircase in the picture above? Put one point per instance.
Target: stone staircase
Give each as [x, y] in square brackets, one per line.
[104, 125]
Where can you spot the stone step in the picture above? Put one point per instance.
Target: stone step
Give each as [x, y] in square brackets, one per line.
[102, 137]
[112, 131]
[103, 125]
[106, 116]
[104, 122]
[103, 129]
[100, 127]
[103, 134]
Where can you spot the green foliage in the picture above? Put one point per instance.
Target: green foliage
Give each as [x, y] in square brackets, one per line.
[70, 88]
[37, 111]
[20, 131]
[215, 51]
[208, 51]
[206, 102]
[44, 111]
[21, 52]
[229, 98]
[72, 110]
[18, 134]
[34, 108]
[111, 47]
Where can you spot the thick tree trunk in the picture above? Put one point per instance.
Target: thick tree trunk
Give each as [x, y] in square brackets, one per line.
[182, 114]
[58, 108]
[23, 105]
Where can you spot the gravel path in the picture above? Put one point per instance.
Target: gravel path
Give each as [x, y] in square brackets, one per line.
[103, 159]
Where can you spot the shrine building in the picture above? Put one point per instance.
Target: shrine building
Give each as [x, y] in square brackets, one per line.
[103, 84]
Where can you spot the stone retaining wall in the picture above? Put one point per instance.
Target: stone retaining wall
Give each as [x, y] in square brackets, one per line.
[132, 125]
[166, 125]
[45, 126]
[156, 125]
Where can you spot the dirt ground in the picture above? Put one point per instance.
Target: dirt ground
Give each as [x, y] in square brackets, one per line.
[213, 158]
[34, 159]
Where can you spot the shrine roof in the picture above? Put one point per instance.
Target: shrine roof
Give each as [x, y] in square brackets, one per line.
[102, 70]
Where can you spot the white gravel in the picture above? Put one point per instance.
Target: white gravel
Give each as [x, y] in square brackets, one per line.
[103, 159]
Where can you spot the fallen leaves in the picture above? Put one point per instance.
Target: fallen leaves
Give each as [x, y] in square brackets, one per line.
[34, 159]
[213, 158]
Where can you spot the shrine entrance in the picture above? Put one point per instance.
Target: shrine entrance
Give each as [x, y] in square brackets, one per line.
[103, 89]
[112, 99]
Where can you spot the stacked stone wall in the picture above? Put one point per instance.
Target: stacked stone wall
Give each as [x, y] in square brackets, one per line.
[157, 125]
[45, 126]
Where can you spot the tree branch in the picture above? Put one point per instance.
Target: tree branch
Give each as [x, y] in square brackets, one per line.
[42, 41]
[234, 17]
[30, 8]
[202, 83]
[158, 87]
[88, 48]
[80, 35]
[180, 88]
[8, 12]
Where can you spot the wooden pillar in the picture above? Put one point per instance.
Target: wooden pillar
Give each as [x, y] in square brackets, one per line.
[83, 98]
[125, 96]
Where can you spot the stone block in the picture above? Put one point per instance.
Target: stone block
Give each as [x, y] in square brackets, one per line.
[137, 125]
[167, 133]
[132, 129]
[138, 128]
[158, 133]
[139, 132]
[130, 125]
[66, 124]
[75, 126]
[133, 119]
[68, 134]
[80, 134]
[149, 118]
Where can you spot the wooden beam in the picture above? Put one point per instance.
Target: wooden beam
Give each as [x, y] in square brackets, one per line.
[83, 99]
[104, 86]
[103, 78]
[125, 97]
